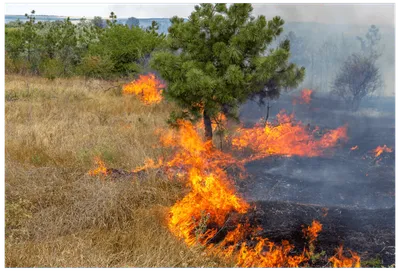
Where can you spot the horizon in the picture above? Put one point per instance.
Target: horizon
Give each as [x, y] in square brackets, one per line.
[339, 14]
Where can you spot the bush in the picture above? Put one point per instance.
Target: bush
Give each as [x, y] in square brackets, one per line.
[52, 68]
[96, 66]
[16, 65]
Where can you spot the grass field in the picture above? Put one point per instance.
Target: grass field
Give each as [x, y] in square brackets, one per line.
[57, 215]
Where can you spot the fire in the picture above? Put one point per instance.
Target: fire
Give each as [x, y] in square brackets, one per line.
[219, 121]
[379, 150]
[101, 168]
[287, 137]
[354, 148]
[339, 260]
[147, 87]
[311, 232]
[212, 199]
[149, 164]
[305, 97]
[268, 254]
[200, 216]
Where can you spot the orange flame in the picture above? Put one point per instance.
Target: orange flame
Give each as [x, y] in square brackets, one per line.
[199, 216]
[311, 232]
[149, 164]
[354, 148]
[219, 121]
[342, 261]
[147, 87]
[287, 138]
[101, 168]
[205, 210]
[379, 150]
[305, 97]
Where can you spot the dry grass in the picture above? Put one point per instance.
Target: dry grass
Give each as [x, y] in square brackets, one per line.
[58, 216]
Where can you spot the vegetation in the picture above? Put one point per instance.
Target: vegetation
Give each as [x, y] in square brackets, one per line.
[359, 75]
[89, 48]
[221, 61]
[58, 216]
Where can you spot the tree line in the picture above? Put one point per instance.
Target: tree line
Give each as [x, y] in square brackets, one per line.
[92, 48]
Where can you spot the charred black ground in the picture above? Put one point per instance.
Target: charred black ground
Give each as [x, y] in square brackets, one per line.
[352, 193]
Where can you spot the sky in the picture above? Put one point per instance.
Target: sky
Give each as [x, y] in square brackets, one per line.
[360, 14]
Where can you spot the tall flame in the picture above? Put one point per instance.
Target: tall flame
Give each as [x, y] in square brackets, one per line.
[201, 216]
[203, 212]
[147, 87]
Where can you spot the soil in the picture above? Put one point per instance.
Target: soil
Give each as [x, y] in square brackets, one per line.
[352, 193]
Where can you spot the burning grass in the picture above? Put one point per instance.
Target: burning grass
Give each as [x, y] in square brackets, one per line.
[147, 87]
[200, 216]
[288, 137]
[57, 215]
[60, 216]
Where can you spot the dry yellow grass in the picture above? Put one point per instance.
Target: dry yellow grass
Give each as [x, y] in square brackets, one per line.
[58, 216]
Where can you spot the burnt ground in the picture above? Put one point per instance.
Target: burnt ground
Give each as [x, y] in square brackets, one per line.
[351, 193]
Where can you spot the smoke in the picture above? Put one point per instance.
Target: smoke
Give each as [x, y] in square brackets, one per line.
[351, 14]
[351, 179]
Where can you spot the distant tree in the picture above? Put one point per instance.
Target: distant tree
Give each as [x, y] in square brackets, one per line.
[218, 60]
[370, 44]
[113, 19]
[357, 78]
[98, 22]
[132, 22]
[153, 27]
[30, 34]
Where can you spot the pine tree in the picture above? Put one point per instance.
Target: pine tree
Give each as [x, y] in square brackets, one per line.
[218, 58]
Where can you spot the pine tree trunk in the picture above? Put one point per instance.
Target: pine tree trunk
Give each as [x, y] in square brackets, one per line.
[207, 126]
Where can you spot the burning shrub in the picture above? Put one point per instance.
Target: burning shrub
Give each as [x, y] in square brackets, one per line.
[147, 87]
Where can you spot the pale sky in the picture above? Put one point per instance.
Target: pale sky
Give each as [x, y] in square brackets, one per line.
[362, 14]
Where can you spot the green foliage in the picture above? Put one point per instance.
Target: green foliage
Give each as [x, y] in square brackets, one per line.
[96, 66]
[98, 22]
[218, 59]
[126, 47]
[89, 48]
[52, 68]
[374, 262]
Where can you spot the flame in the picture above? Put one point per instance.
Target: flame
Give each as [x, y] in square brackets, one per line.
[354, 148]
[147, 87]
[342, 261]
[101, 168]
[311, 232]
[204, 211]
[219, 121]
[287, 137]
[379, 150]
[200, 216]
[305, 97]
[149, 164]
